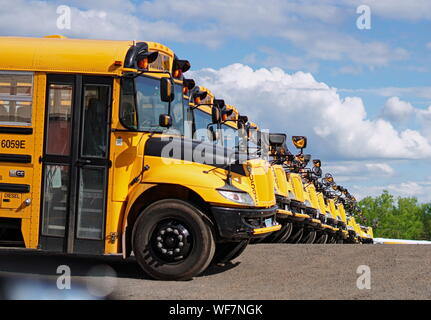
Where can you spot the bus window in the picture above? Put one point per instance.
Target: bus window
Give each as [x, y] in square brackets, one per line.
[230, 137]
[177, 111]
[59, 119]
[188, 123]
[55, 206]
[128, 114]
[144, 114]
[202, 124]
[96, 100]
[15, 98]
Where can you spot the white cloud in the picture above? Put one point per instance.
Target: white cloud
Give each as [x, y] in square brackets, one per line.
[250, 15]
[285, 61]
[312, 26]
[298, 104]
[331, 45]
[421, 92]
[88, 20]
[419, 189]
[383, 168]
[354, 171]
[412, 10]
[424, 118]
[397, 110]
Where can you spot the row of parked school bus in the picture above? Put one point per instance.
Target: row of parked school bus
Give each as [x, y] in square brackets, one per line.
[106, 148]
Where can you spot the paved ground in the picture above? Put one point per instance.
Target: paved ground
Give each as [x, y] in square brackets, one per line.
[263, 272]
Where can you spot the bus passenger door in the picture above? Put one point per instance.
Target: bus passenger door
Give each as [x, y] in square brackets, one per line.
[75, 163]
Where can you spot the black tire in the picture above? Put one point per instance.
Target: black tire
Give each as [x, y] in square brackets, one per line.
[340, 241]
[308, 236]
[349, 241]
[227, 251]
[287, 233]
[322, 238]
[281, 235]
[3, 234]
[331, 240]
[296, 234]
[165, 227]
[258, 240]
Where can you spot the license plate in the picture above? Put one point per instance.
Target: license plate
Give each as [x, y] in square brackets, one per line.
[268, 222]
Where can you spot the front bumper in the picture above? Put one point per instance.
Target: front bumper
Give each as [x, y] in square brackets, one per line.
[241, 224]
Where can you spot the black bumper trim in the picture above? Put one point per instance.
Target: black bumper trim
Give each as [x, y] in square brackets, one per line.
[235, 223]
[297, 204]
[282, 199]
[312, 212]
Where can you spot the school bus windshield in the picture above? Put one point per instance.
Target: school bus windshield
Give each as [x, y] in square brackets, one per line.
[234, 139]
[254, 141]
[203, 127]
[230, 137]
[142, 113]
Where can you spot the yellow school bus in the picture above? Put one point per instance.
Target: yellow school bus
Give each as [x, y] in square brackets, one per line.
[89, 163]
[230, 134]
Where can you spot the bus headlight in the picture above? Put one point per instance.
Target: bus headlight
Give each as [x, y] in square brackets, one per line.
[238, 197]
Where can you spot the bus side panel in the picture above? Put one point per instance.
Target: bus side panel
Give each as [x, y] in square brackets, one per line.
[39, 125]
[20, 168]
[298, 187]
[126, 155]
[311, 190]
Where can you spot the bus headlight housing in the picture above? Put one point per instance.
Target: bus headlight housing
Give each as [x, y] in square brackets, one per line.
[238, 197]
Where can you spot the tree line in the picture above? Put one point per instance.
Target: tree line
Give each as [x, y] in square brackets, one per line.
[396, 217]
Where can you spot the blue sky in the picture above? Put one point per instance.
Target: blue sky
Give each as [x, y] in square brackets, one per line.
[301, 67]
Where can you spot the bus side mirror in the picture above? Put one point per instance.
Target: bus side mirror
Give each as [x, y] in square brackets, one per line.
[300, 142]
[243, 119]
[165, 121]
[241, 125]
[317, 163]
[212, 134]
[166, 92]
[277, 138]
[215, 115]
[317, 171]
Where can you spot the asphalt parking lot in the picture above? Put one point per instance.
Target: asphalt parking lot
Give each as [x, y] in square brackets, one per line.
[264, 271]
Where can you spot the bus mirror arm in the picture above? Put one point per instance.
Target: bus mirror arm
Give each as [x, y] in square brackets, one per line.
[201, 104]
[228, 175]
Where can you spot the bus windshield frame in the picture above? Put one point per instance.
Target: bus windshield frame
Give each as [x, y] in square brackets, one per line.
[143, 92]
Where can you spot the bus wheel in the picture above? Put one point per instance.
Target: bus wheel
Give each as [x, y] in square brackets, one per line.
[3, 233]
[322, 238]
[296, 235]
[228, 251]
[309, 236]
[172, 241]
[259, 240]
[331, 240]
[283, 234]
[287, 232]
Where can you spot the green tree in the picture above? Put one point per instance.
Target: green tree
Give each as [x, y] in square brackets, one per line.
[400, 218]
[426, 220]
